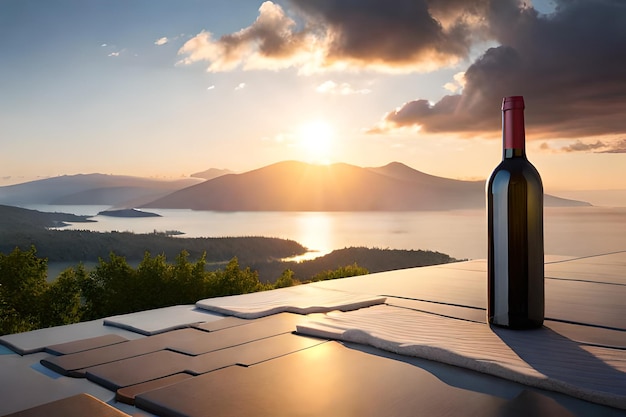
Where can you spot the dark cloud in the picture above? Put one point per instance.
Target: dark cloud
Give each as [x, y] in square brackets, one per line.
[402, 32]
[569, 66]
[407, 35]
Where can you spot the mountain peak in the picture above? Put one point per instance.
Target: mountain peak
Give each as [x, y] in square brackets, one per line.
[211, 173]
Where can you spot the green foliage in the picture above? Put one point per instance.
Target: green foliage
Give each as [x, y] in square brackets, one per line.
[22, 287]
[286, 279]
[233, 280]
[111, 288]
[28, 301]
[63, 299]
[341, 272]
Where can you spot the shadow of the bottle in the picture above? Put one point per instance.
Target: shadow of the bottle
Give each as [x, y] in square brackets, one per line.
[568, 364]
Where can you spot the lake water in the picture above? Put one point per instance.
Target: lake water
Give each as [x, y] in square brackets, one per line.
[578, 231]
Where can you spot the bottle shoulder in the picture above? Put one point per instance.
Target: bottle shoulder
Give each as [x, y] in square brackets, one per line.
[512, 170]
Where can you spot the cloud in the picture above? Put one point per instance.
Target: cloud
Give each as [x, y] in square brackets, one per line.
[579, 146]
[114, 54]
[161, 41]
[211, 87]
[240, 86]
[599, 146]
[270, 42]
[405, 34]
[617, 147]
[344, 89]
[409, 35]
[457, 84]
[568, 66]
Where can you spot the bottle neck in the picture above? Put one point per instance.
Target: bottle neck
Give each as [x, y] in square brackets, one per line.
[513, 133]
[513, 153]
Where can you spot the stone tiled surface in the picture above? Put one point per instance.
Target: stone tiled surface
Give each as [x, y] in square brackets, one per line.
[539, 358]
[164, 363]
[234, 366]
[330, 380]
[595, 300]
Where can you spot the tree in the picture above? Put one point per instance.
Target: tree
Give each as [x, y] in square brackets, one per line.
[154, 277]
[341, 272]
[22, 285]
[233, 280]
[190, 280]
[286, 279]
[110, 288]
[64, 298]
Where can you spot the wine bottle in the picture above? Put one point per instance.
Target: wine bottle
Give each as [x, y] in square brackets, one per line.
[515, 264]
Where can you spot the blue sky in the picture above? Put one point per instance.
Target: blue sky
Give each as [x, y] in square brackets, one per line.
[168, 88]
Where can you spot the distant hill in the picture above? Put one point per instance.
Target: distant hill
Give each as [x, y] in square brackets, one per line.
[91, 189]
[24, 220]
[298, 186]
[373, 259]
[211, 173]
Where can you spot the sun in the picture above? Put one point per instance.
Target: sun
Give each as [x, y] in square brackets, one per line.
[316, 139]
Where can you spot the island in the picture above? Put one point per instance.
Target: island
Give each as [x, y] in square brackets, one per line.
[128, 213]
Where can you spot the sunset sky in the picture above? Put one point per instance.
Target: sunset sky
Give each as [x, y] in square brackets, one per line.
[161, 88]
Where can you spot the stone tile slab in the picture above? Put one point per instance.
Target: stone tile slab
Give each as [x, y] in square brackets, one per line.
[25, 384]
[589, 335]
[37, 340]
[224, 323]
[301, 299]
[139, 369]
[161, 320]
[127, 395]
[80, 405]
[85, 344]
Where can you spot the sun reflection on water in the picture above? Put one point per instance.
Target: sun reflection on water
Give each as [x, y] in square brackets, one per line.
[313, 230]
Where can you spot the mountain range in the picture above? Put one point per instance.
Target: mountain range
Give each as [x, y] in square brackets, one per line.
[92, 189]
[298, 186]
[283, 186]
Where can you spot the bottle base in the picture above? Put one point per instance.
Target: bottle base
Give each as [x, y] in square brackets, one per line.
[516, 324]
